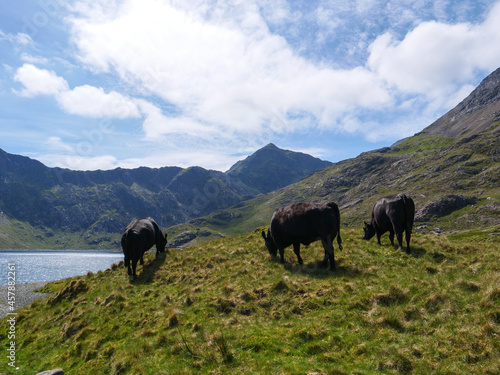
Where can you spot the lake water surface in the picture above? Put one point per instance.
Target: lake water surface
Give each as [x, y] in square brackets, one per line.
[49, 265]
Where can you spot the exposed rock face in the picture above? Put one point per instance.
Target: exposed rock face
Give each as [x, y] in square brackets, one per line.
[443, 206]
[183, 239]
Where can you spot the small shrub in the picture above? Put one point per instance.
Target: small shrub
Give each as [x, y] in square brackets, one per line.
[222, 345]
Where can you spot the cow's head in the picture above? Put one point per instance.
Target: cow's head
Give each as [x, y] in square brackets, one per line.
[162, 243]
[271, 246]
[369, 231]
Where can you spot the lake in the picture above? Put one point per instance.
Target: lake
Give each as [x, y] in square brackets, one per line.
[49, 265]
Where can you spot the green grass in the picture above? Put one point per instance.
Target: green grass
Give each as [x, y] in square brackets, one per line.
[423, 143]
[226, 307]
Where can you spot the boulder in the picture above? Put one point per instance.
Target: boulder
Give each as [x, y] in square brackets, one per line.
[443, 206]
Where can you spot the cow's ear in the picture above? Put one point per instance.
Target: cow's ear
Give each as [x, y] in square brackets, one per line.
[366, 224]
[166, 235]
[264, 235]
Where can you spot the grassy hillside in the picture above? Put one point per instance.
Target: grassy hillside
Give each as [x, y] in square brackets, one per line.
[225, 307]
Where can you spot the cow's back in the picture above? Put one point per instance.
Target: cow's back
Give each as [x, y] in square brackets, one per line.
[304, 221]
[139, 235]
[409, 209]
[393, 209]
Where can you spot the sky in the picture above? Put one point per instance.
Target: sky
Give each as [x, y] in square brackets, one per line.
[102, 84]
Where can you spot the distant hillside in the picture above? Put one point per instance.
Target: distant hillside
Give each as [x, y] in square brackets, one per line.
[451, 169]
[61, 208]
[271, 168]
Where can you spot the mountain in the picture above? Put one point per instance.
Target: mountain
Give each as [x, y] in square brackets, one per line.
[271, 168]
[474, 114]
[451, 169]
[60, 208]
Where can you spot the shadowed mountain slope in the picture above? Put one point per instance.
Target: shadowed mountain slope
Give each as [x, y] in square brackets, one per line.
[60, 208]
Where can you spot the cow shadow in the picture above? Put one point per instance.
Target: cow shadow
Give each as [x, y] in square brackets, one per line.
[417, 251]
[149, 269]
[316, 270]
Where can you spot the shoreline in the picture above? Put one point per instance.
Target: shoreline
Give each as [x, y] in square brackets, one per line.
[24, 295]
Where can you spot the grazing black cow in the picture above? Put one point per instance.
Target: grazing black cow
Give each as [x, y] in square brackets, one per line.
[395, 214]
[304, 223]
[139, 236]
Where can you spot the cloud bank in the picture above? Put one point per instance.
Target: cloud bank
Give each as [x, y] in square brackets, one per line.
[220, 70]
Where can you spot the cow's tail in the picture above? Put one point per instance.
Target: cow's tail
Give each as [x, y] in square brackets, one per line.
[337, 216]
[409, 210]
[125, 249]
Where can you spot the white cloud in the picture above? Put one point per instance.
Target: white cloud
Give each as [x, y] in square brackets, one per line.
[33, 59]
[83, 100]
[156, 124]
[83, 163]
[224, 70]
[207, 78]
[20, 39]
[435, 59]
[57, 144]
[39, 81]
[91, 101]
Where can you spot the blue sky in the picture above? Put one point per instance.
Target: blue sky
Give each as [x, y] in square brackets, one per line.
[103, 84]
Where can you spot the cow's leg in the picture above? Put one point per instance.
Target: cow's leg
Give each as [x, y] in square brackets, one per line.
[329, 252]
[142, 260]
[408, 238]
[134, 267]
[399, 236]
[391, 237]
[296, 250]
[127, 264]
[282, 254]
[378, 237]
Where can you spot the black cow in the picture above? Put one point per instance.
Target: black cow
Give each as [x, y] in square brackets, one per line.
[395, 214]
[139, 236]
[303, 223]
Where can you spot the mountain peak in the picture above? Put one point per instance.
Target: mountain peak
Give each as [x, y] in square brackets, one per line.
[271, 168]
[486, 93]
[270, 146]
[476, 113]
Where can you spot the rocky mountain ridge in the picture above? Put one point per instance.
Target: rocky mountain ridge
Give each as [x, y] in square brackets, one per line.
[91, 208]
